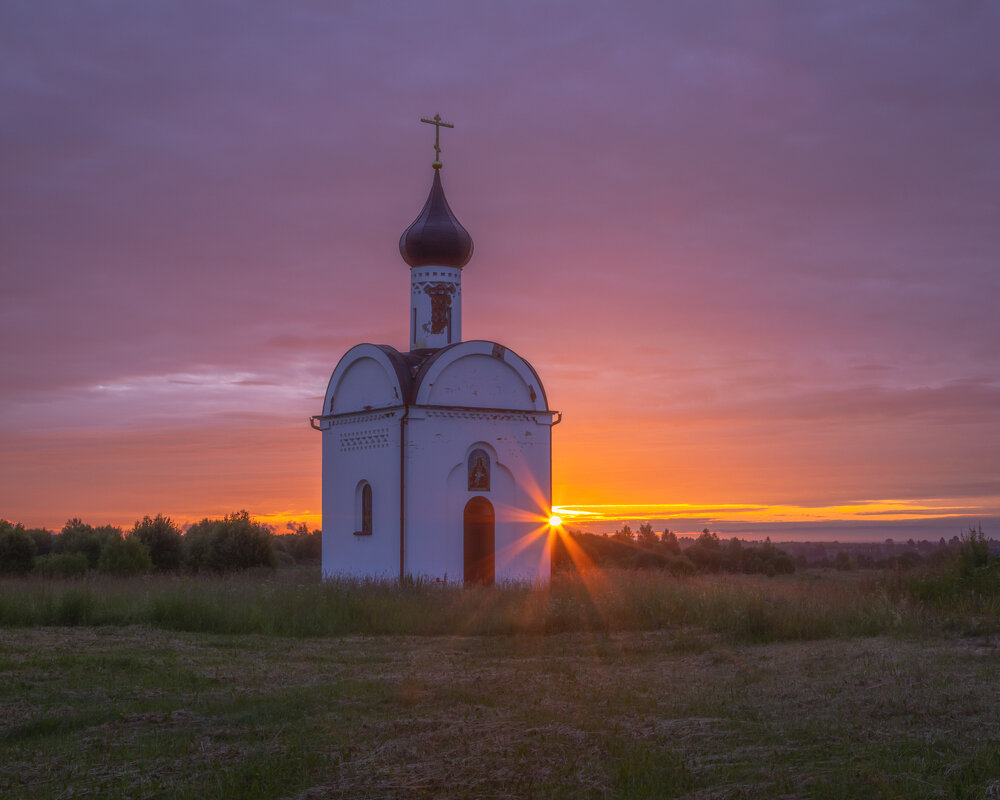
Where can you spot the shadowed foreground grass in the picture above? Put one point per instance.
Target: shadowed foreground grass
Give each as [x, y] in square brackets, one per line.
[138, 713]
[643, 687]
[296, 603]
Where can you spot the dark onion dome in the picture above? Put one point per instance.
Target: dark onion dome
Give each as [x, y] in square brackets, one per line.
[436, 238]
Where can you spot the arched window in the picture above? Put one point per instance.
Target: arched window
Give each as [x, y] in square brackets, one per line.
[364, 509]
[479, 471]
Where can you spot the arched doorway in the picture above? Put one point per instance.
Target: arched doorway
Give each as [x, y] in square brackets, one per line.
[479, 523]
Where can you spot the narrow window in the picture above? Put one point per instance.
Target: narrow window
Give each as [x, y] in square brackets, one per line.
[413, 326]
[364, 510]
[479, 471]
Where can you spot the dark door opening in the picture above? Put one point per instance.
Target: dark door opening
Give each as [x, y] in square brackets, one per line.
[480, 541]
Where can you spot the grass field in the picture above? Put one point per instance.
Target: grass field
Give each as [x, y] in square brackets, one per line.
[628, 685]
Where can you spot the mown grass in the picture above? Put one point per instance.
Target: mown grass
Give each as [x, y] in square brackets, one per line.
[295, 603]
[611, 685]
[130, 712]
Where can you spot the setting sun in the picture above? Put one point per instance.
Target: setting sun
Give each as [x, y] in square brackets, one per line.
[555, 520]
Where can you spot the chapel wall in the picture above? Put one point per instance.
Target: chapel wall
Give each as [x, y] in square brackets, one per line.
[437, 490]
[362, 447]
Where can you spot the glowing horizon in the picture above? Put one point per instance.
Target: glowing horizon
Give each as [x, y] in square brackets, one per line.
[603, 515]
[884, 509]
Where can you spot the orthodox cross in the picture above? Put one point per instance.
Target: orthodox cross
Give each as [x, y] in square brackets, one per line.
[438, 124]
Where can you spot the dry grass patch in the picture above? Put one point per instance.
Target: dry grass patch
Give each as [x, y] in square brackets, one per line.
[134, 712]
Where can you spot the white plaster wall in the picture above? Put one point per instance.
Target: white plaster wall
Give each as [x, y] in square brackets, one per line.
[361, 447]
[437, 492]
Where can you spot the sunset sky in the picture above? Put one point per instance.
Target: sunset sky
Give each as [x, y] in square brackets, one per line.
[751, 248]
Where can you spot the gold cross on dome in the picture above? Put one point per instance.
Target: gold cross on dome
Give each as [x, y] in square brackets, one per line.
[438, 124]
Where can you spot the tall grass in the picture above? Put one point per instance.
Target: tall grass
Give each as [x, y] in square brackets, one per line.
[295, 602]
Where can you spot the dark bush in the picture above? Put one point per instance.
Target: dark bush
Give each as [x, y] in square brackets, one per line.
[233, 543]
[647, 559]
[781, 563]
[61, 565]
[973, 552]
[969, 574]
[17, 549]
[123, 556]
[240, 543]
[196, 544]
[307, 547]
[301, 547]
[668, 540]
[767, 559]
[43, 539]
[706, 552]
[681, 565]
[162, 539]
[78, 537]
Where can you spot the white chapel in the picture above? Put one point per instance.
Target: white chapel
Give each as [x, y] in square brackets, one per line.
[437, 461]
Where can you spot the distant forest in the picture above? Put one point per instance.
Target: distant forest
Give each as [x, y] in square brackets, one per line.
[238, 542]
[235, 542]
[707, 552]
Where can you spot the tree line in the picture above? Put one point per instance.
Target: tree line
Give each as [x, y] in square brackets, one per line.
[234, 542]
[647, 549]
[898, 556]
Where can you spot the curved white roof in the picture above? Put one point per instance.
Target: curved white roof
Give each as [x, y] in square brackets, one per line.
[475, 374]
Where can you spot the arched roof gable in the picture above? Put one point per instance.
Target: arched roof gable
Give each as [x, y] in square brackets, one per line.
[479, 374]
[369, 376]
